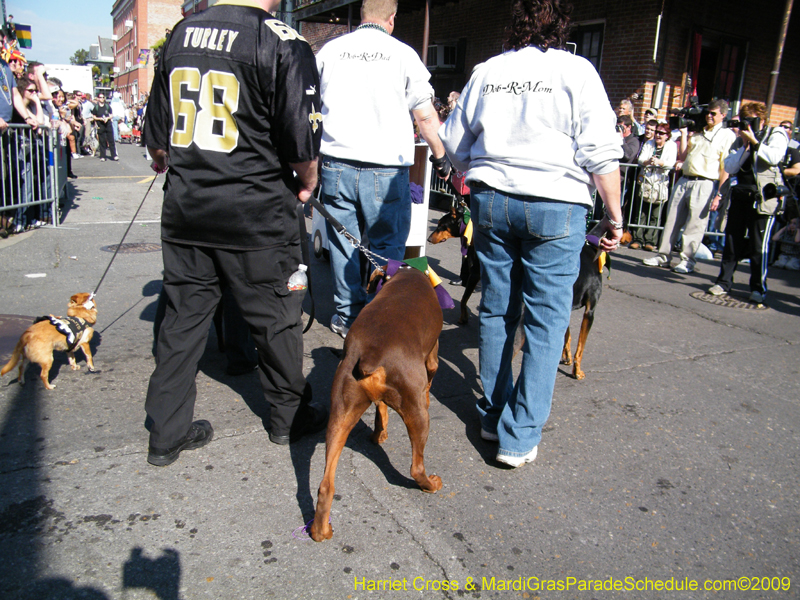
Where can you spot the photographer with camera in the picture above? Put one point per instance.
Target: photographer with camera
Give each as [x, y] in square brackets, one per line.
[754, 161]
[697, 191]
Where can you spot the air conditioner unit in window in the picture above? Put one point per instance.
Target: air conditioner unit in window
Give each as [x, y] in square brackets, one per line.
[127, 64]
[442, 56]
[129, 24]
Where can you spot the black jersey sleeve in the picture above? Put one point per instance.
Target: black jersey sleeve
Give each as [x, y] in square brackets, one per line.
[297, 119]
[158, 106]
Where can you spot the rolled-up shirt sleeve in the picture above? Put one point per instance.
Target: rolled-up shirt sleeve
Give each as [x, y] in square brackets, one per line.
[418, 88]
[599, 146]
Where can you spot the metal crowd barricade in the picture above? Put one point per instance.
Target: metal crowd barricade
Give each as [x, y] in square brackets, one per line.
[636, 212]
[33, 172]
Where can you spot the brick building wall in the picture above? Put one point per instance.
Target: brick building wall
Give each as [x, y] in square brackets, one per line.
[138, 24]
[629, 35]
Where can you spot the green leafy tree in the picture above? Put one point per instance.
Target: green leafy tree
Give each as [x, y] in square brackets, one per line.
[79, 58]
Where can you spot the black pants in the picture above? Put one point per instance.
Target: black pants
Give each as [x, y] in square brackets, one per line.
[193, 280]
[744, 219]
[105, 136]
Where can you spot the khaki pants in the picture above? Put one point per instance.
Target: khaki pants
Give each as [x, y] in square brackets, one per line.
[688, 209]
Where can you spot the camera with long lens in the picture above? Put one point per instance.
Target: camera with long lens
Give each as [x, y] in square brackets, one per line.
[693, 117]
[753, 122]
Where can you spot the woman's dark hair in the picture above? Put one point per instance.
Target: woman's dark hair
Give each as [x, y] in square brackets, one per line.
[542, 23]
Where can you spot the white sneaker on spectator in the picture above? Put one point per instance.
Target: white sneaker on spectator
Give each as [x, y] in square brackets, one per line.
[783, 259]
[102, 160]
[656, 261]
[793, 264]
[116, 158]
[517, 461]
[756, 297]
[76, 156]
[684, 266]
[716, 290]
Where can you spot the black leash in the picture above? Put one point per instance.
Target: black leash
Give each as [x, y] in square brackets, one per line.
[136, 214]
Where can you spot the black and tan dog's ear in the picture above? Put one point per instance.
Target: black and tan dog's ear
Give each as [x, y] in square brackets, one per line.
[378, 275]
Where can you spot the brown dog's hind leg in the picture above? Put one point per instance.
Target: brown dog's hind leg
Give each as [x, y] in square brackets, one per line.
[418, 423]
[45, 376]
[566, 354]
[586, 326]
[346, 410]
[73, 364]
[380, 435]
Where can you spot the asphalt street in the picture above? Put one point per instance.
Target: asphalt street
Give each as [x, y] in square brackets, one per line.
[672, 468]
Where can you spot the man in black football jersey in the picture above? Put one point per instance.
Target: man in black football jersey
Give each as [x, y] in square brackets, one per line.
[233, 112]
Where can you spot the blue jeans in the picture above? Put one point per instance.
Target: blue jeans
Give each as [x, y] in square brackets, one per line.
[529, 250]
[369, 198]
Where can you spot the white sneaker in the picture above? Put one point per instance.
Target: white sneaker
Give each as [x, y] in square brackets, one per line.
[517, 461]
[716, 290]
[488, 436]
[338, 326]
[756, 297]
[656, 261]
[76, 156]
[683, 267]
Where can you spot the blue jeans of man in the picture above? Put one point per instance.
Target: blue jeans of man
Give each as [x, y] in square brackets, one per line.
[529, 250]
[368, 198]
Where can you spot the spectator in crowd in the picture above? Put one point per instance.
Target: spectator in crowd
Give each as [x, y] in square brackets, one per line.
[787, 125]
[28, 154]
[452, 100]
[791, 169]
[630, 143]
[11, 102]
[229, 217]
[697, 192]
[17, 62]
[532, 165]
[101, 115]
[386, 91]
[625, 107]
[630, 150]
[657, 158]
[649, 132]
[789, 238]
[117, 115]
[89, 128]
[755, 164]
[68, 126]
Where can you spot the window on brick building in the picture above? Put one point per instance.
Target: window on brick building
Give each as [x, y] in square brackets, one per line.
[588, 40]
[718, 70]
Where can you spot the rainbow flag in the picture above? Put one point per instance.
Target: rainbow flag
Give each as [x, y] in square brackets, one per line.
[23, 35]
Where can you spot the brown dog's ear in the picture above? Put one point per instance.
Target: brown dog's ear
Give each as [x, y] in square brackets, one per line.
[377, 276]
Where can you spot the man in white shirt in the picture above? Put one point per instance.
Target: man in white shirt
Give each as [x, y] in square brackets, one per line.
[369, 82]
[697, 191]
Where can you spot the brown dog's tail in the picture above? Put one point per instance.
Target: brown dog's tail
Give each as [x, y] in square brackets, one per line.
[15, 358]
[351, 379]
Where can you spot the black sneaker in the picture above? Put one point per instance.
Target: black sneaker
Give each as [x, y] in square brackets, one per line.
[199, 434]
[313, 419]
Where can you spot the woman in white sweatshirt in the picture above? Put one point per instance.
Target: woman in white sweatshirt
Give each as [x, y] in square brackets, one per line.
[535, 129]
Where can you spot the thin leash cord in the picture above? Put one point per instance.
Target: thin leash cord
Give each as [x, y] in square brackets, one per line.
[354, 241]
[136, 214]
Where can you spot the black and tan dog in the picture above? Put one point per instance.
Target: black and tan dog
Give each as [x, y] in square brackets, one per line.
[585, 293]
[391, 354]
[51, 333]
[451, 225]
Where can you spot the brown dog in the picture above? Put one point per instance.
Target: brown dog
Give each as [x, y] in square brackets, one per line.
[391, 354]
[40, 339]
